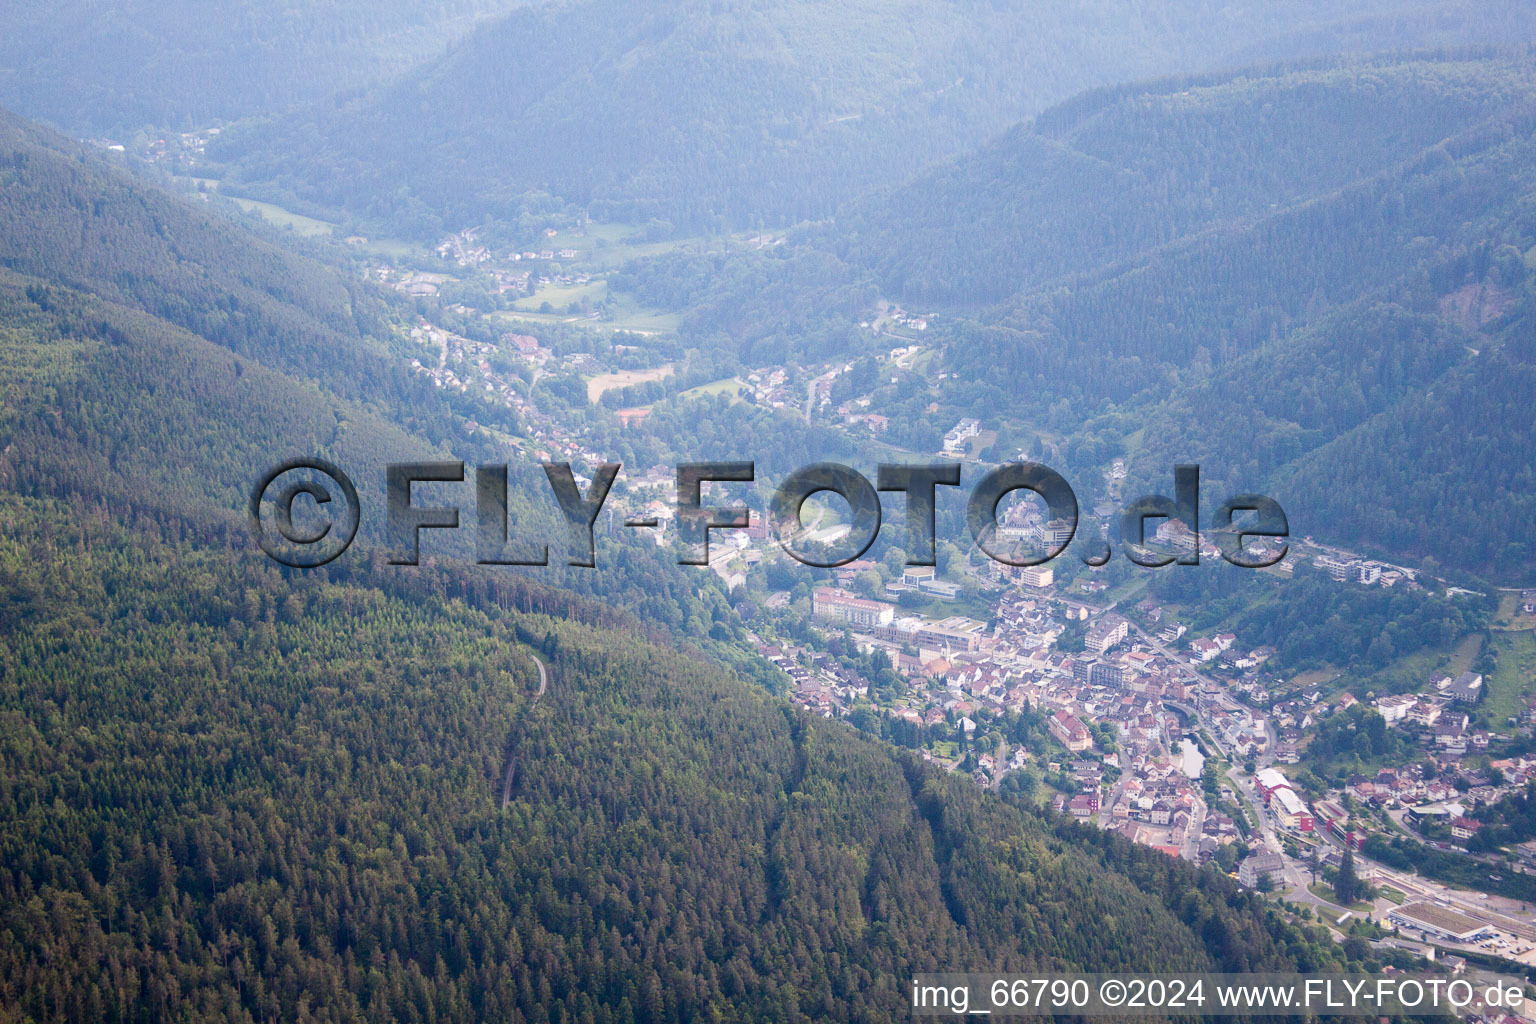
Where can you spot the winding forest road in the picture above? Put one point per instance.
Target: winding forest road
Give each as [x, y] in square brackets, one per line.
[543, 676]
[506, 785]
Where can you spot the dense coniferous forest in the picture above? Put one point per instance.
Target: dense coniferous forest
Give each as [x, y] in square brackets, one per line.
[237, 793]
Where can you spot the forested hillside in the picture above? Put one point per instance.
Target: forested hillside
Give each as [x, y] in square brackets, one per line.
[160, 356]
[234, 792]
[71, 220]
[1120, 175]
[126, 65]
[741, 114]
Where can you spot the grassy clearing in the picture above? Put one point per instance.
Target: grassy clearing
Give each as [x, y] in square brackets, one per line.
[624, 314]
[1510, 616]
[1515, 678]
[725, 386]
[603, 246]
[560, 297]
[1420, 666]
[1324, 891]
[1313, 677]
[643, 323]
[511, 319]
[623, 379]
[1465, 654]
[913, 362]
[391, 248]
[922, 363]
[308, 227]
[632, 319]
[1128, 589]
[1508, 605]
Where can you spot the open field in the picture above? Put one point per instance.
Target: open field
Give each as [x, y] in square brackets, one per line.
[620, 317]
[1510, 616]
[1128, 589]
[641, 322]
[914, 362]
[1508, 605]
[604, 246]
[981, 442]
[308, 227]
[1465, 654]
[1514, 679]
[299, 224]
[391, 248]
[623, 313]
[726, 386]
[1312, 677]
[560, 297]
[1419, 668]
[623, 379]
[512, 319]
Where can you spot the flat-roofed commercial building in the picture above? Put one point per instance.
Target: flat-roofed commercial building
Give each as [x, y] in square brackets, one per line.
[1269, 781]
[1291, 811]
[1440, 921]
[955, 633]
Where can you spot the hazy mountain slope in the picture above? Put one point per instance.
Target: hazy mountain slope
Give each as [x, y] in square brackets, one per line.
[1465, 448]
[68, 217]
[1361, 355]
[1117, 174]
[1278, 273]
[121, 65]
[1310, 195]
[738, 112]
[70, 220]
[161, 357]
[1454, 24]
[1227, 292]
[1256, 414]
[1392, 426]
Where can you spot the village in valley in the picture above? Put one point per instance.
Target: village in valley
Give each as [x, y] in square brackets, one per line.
[1185, 743]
